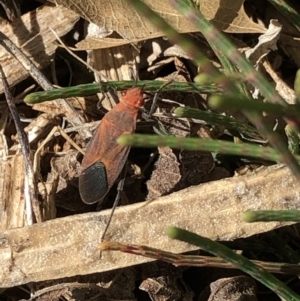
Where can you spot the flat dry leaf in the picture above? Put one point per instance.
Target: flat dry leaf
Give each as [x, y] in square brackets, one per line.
[267, 42]
[234, 289]
[118, 15]
[166, 174]
[165, 288]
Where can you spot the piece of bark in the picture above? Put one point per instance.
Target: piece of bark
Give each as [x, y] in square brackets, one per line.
[32, 35]
[68, 246]
[12, 203]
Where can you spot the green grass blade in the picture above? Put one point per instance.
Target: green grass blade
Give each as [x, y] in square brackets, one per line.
[74, 91]
[220, 102]
[293, 139]
[239, 261]
[271, 216]
[290, 14]
[90, 89]
[297, 87]
[213, 118]
[216, 146]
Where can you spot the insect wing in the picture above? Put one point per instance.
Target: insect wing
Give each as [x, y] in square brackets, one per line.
[93, 185]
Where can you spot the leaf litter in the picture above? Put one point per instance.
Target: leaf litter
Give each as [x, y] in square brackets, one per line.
[150, 57]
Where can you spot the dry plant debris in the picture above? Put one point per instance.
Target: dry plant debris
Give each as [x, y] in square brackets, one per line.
[126, 46]
[68, 246]
[32, 34]
[118, 16]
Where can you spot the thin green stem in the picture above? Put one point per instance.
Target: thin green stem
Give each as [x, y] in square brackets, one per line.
[297, 86]
[220, 102]
[271, 216]
[213, 118]
[290, 14]
[90, 89]
[216, 146]
[293, 140]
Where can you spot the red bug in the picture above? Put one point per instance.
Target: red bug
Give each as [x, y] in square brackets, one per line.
[105, 158]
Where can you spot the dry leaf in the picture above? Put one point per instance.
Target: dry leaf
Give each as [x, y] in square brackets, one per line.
[290, 36]
[165, 288]
[119, 16]
[68, 168]
[238, 288]
[266, 42]
[234, 289]
[166, 174]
